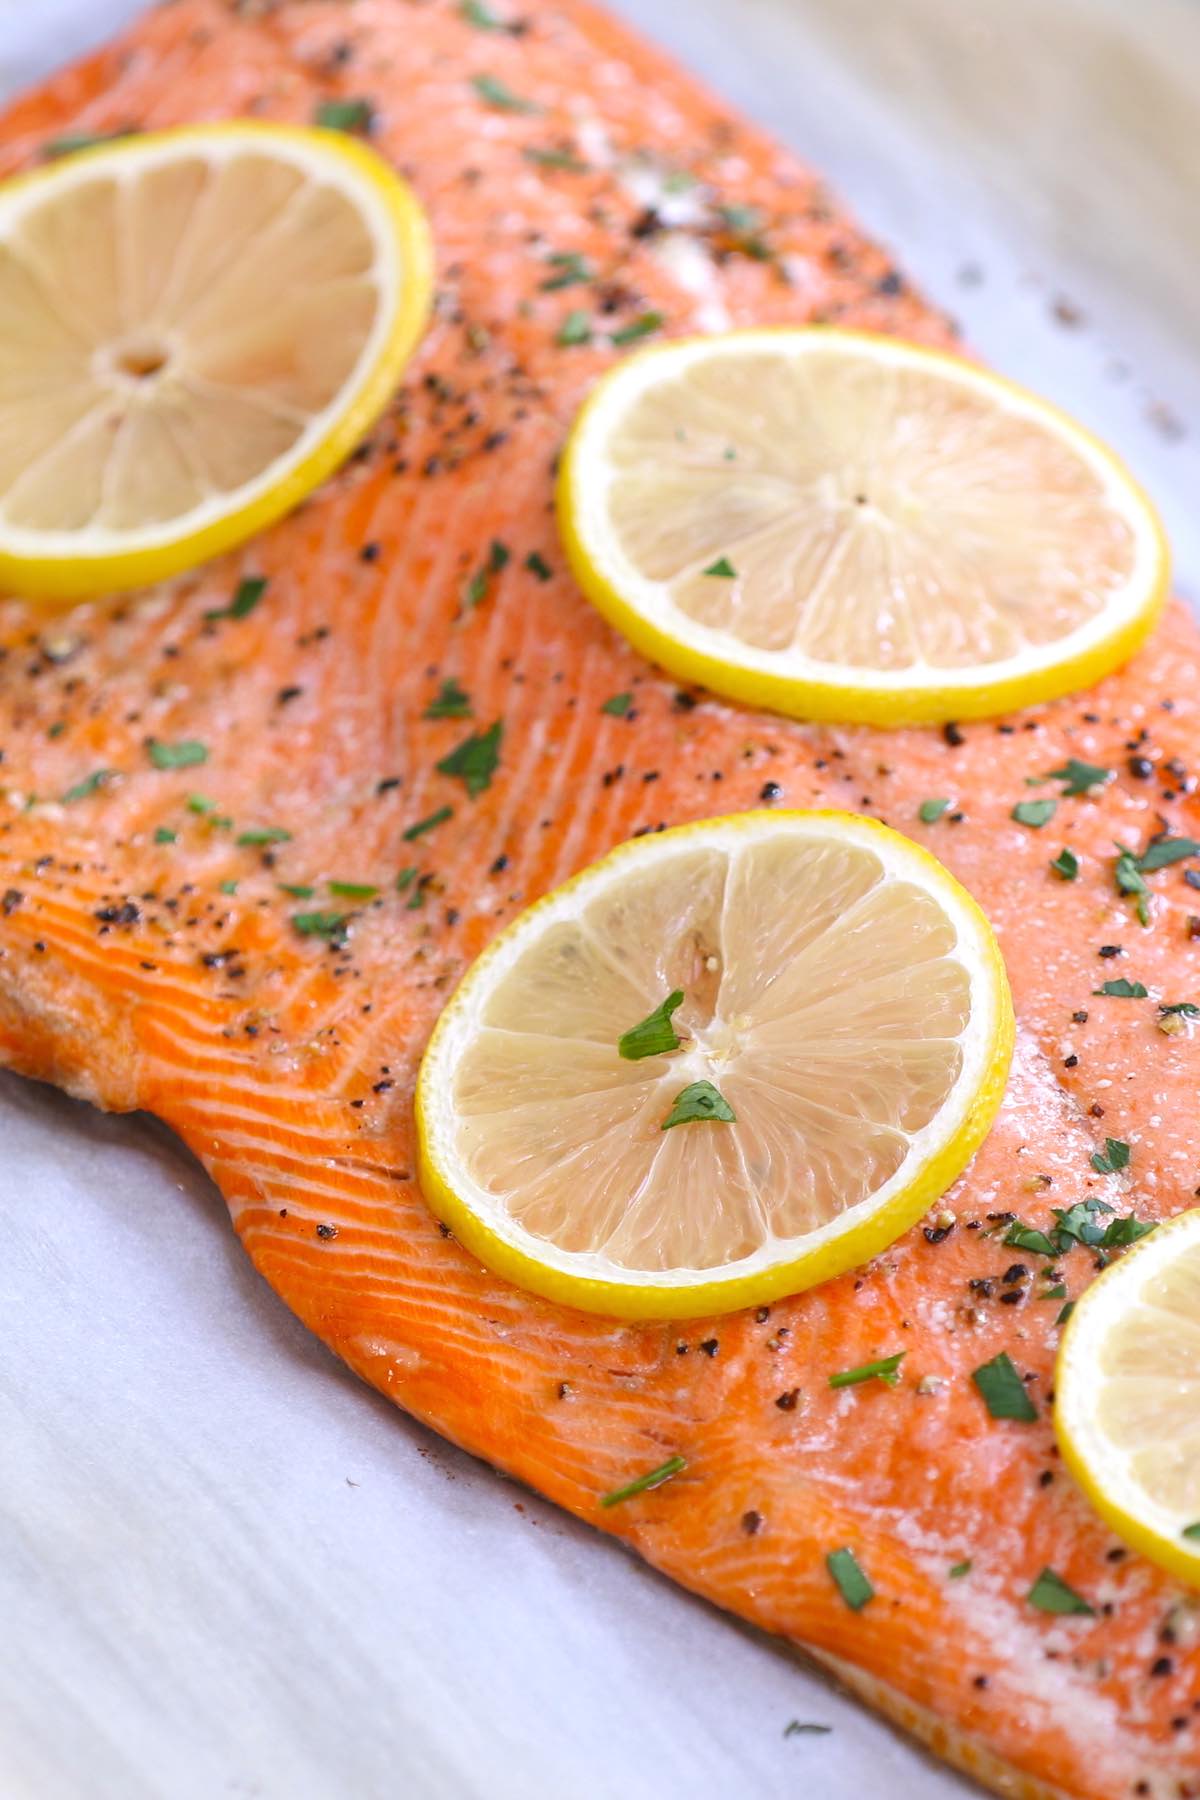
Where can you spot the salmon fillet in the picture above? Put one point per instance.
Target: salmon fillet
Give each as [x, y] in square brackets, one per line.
[134, 973]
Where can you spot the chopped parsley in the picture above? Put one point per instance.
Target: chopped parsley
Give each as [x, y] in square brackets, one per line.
[1065, 864]
[229, 887]
[638, 328]
[886, 1369]
[200, 803]
[553, 158]
[674, 1465]
[247, 595]
[477, 587]
[72, 141]
[299, 890]
[1050, 1594]
[1003, 1390]
[1187, 1008]
[495, 93]
[1113, 1157]
[617, 705]
[956, 1571]
[1122, 989]
[654, 1035]
[330, 925]
[474, 761]
[90, 783]
[930, 811]
[743, 224]
[353, 890]
[1034, 813]
[345, 115]
[164, 835]
[450, 702]
[256, 835]
[1161, 852]
[576, 328]
[423, 825]
[699, 1100]
[537, 565]
[1027, 1237]
[185, 755]
[851, 1583]
[1191, 1531]
[481, 16]
[1130, 880]
[1066, 1312]
[570, 268]
[722, 567]
[1079, 777]
[406, 877]
[803, 1728]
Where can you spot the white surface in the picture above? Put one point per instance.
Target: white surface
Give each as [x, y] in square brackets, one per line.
[194, 1599]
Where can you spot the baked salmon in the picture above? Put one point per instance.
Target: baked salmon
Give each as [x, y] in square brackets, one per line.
[157, 951]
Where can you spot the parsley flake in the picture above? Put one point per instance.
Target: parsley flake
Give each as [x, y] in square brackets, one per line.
[617, 705]
[654, 1035]
[1003, 1390]
[474, 761]
[1050, 1594]
[576, 328]
[1065, 1314]
[330, 925]
[1078, 777]
[1065, 864]
[247, 595]
[1161, 852]
[496, 94]
[1187, 1007]
[1027, 1237]
[97, 779]
[1113, 1157]
[570, 268]
[930, 811]
[477, 587]
[553, 158]
[186, 755]
[353, 890]
[299, 890]
[851, 1583]
[699, 1100]
[451, 702]
[164, 835]
[423, 825]
[72, 141]
[639, 328]
[262, 834]
[481, 16]
[886, 1369]
[1191, 1531]
[1034, 813]
[406, 877]
[537, 565]
[345, 115]
[958, 1570]
[229, 887]
[674, 1465]
[722, 567]
[1122, 989]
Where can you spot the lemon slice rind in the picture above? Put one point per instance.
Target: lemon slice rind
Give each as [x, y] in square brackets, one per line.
[1102, 1469]
[937, 1155]
[69, 564]
[791, 682]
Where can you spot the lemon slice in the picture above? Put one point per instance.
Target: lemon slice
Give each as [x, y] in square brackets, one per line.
[1127, 1396]
[197, 327]
[724, 1063]
[842, 526]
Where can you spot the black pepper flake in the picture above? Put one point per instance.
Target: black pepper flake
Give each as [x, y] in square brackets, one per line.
[12, 899]
[1079, 1018]
[1108, 950]
[1162, 1665]
[1141, 767]
[751, 1522]
[952, 734]
[710, 1346]
[787, 1402]
[326, 1232]
[937, 1234]
[770, 790]
[288, 693]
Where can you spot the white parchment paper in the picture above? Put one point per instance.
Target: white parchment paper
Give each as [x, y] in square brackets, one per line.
[226, 1568]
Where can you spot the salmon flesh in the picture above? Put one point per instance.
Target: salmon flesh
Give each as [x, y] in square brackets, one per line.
[150, 956]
